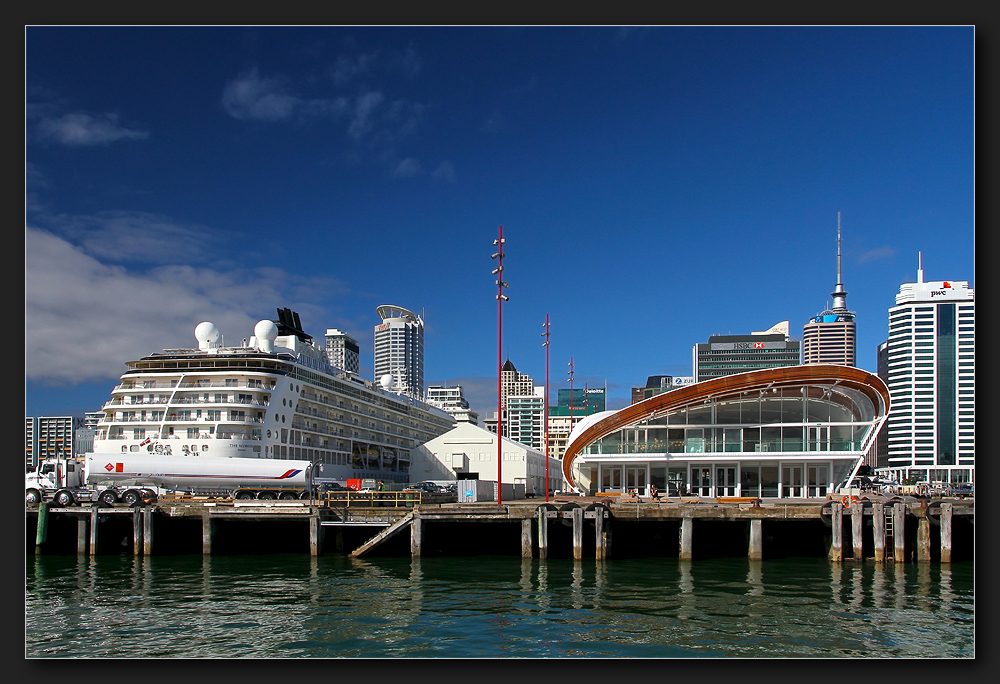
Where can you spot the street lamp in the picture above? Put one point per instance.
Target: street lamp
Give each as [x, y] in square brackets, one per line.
[501, 298]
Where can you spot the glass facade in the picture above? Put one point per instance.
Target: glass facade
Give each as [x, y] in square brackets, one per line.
[792, 441]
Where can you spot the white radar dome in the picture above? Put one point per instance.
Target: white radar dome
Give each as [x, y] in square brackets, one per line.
[386, 381]
[265, 331]
[207, 335]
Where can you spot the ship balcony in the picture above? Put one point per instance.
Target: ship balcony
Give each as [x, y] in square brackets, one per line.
[225, 434]
[235, 401]
[241, 420]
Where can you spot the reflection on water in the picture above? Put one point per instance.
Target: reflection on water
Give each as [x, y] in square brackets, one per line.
[298, 606]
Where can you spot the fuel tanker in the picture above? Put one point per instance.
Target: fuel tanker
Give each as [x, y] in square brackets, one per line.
[132, 478]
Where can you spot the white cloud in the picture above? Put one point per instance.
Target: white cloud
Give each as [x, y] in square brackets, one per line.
[364, 108]
[84, 318]
[877, 255]
[346, 69]
[445, 171]
[250, 96]
[408, 168]
[80, 129]
[132, 236]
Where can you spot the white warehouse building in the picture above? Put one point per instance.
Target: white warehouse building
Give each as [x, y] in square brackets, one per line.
[469, 452]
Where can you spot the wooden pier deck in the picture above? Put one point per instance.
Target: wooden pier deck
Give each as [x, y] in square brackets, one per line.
[876, 529]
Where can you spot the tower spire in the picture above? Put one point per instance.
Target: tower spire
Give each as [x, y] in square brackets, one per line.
[839, 294]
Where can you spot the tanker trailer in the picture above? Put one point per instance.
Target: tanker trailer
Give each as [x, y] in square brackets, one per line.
[122, 475]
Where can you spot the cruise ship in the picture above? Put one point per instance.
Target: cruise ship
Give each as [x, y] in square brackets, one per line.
[275, 396]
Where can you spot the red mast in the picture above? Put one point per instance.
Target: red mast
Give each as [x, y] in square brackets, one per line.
[546, 345]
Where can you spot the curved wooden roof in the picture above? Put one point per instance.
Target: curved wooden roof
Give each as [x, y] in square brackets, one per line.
[813, 374]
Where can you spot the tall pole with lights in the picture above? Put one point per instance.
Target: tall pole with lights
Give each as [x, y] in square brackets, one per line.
[501, 298]
[570, 399]
[546, 345]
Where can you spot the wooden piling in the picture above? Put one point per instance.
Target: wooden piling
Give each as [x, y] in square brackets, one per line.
[687, 532]
[577, 533]
[600, 552]
[543, 532]
[147, 531]
[924, 540]
[946, 519]
[416, 535]
[899, 532]
[857, 527]
[756, 550]
[207, 532]
[42, 528]
[94, 518]
[137, 531]
[81, 535]
[836, 533]
[315, 536]
[526, 550]
[878, 531]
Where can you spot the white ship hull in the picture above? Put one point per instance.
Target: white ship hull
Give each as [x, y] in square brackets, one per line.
[274, 397]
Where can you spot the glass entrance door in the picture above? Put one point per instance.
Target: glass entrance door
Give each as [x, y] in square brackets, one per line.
[725, 480]
[611, 479]
[701, 480]
[791, 481]
[635, 478]
[819, 479]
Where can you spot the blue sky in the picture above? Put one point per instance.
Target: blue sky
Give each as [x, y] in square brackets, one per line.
[656, 185]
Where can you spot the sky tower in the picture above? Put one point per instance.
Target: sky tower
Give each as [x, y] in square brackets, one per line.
[830, 337]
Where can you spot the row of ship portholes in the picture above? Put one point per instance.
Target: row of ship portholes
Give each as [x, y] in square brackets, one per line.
[284, 402]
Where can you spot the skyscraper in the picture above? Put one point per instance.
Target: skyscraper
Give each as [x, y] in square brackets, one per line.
[931, 375]
[342, 351]
[729, 354]
[513, 382]
[399, 350]
[831, 337]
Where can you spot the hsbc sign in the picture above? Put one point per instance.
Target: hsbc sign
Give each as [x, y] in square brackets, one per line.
[746, 346]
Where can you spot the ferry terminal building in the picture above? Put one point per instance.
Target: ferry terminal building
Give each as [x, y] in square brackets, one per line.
[790, 432]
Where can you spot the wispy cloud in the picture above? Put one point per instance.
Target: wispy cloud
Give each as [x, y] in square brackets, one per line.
[877, 255]
[364, 111]
[132, 236]
[78, 129]
[445, 171]
[348, 68]
[253, 97]
[408, 168]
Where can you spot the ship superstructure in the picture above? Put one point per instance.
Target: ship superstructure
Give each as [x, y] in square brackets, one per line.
[275, 396]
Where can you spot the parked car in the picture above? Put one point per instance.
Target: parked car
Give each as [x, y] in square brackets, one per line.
[425, 487]
[963, 490]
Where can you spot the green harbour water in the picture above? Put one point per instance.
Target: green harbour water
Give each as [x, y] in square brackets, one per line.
[297, 606]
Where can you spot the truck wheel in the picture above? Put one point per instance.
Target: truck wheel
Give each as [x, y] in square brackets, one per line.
[243, 496]
[131, 497]
[267, 496]
[32, 496]
[288, 496]
[63, 497]
[109, 497]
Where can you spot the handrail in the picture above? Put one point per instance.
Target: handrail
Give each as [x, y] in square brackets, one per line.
[350, 497]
